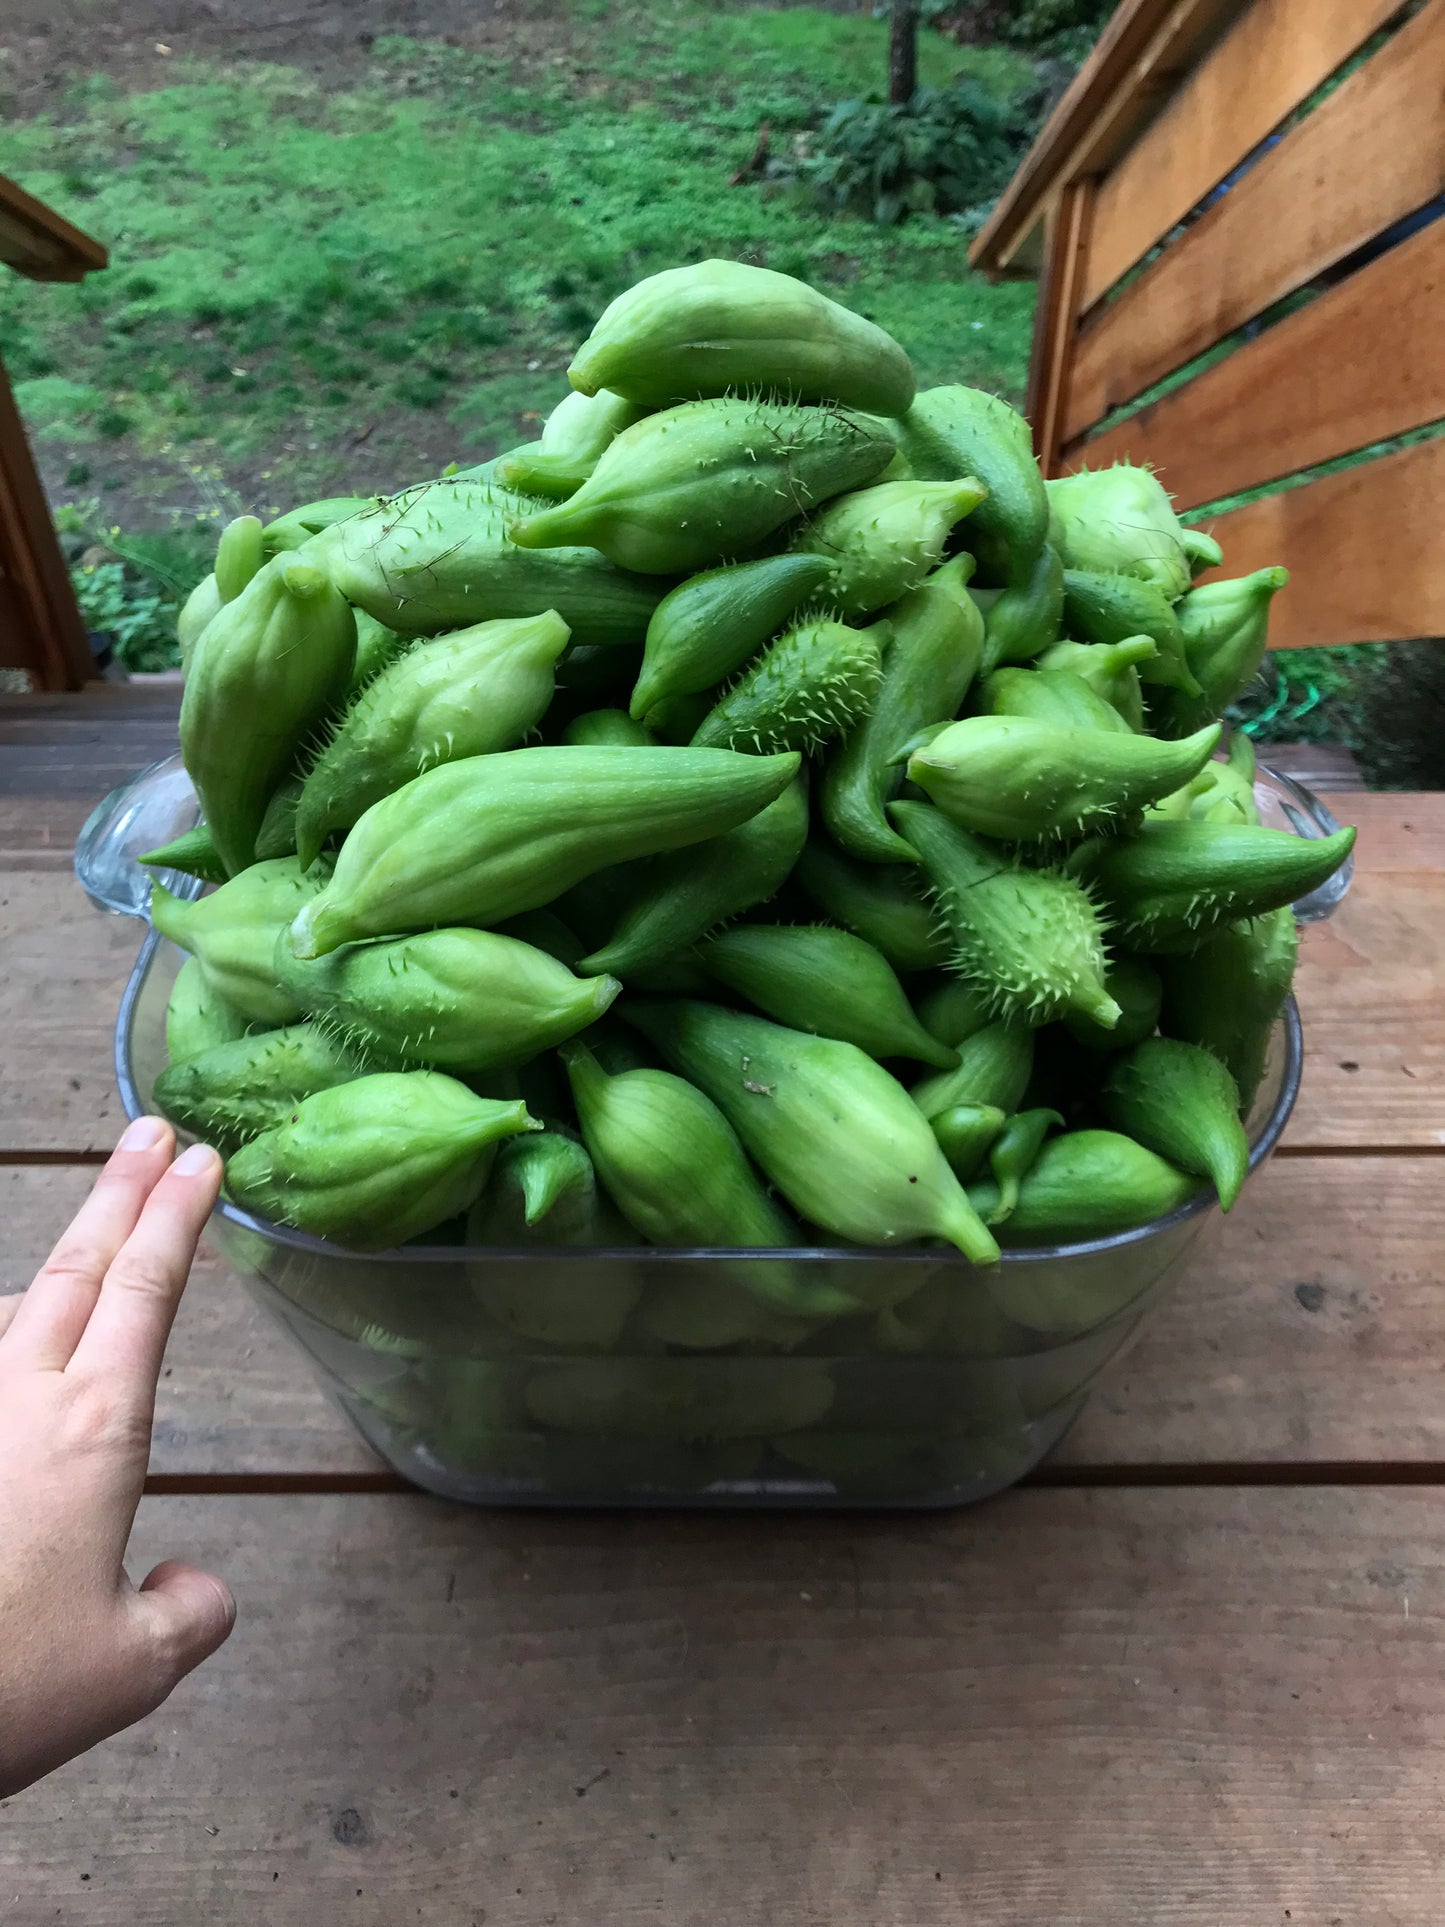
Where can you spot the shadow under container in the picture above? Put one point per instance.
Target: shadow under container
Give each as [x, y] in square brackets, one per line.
[954, 1393]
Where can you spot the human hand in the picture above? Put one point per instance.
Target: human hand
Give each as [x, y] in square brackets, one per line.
[83, 1653]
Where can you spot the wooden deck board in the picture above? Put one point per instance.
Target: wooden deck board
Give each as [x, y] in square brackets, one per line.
[1186, 1708]
[1308, 1330]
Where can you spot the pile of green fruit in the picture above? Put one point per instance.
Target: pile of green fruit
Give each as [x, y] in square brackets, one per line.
[762, 813]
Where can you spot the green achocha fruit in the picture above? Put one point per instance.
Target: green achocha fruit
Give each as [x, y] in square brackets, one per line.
[994, 1067]
[954, 1010]
[374, 1162]
[468, 694]
[459, 1000]
[934, 655]
[1134, 985]
[1119, 521]
[1012, 1156]
[685, 894]
[718, 326]
[277, 834]
[1030, 937]
[543, 1191]
[675, 718]
[1202, 551]
[1055, 696]
[200, 605]
[295, 530]
[837, 1135]
[1111, 669]
[881, 905]
[683, 489]
[882, 541]
[964, 1133]
[234, 1091]
[710, 625]
[1087, 1184]
[193, 853]
[1225, 626]
[827, 981]
[574, 437]
[673, 1166]
[198, 1017]
[484, 839]
[1019, 779]
[605, 729]
[804, 689]
[1117, 608]
[439, 555]
[238, 556]
[1179, 1100]
[267, 670]
[376, 647]
[1227, 995]
[1022, 621]
[1174, 884]
[956, 431]
[233, 932]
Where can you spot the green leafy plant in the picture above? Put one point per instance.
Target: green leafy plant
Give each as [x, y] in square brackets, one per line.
[139, 618]
[946, 150]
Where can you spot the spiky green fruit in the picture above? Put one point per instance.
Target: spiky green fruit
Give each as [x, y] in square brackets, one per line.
[883, 541]
[806, 688]
[1030, 939]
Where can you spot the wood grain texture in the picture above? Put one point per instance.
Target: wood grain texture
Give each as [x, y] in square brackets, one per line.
[1051, 355]
[1308, 1327]
[1111, 87]
[1357, 365]
[44, 634]
[1184, 1708]
[235, 1396]
[1369, 994]
[65, 967]
[38, 242]
[1366, 551]
[1273, 56]
[1334, 182]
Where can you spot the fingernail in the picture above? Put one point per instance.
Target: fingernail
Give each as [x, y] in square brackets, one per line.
[143, 1135]
[191, 1164]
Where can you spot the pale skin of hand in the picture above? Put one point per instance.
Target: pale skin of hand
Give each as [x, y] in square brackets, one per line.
[83, 1652]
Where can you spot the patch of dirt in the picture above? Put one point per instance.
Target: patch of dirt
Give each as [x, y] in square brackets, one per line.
[135, 41]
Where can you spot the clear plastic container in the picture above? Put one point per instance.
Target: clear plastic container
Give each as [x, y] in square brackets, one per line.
[438, 1352]
[952, 1395]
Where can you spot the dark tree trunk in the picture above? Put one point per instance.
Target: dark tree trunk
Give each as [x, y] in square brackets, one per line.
[903, 51]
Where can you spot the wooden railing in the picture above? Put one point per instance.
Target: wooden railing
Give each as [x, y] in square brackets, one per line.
[1237, 202]
[41, 631]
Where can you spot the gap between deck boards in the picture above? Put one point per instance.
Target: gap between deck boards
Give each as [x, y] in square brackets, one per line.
[1057, 1478]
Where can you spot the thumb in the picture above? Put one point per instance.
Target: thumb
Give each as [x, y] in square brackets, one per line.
[187, 1613]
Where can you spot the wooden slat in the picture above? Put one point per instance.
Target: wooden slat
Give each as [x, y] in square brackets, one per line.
[1356, 366]
[1365, 548]
[1308, 1328]
[1049, 365]
[1192, 1709]
[49, 637]
[65, 967]
[1272, 58]
[235, 1397]
[38, 242]
[1339, 178]
[1117, 89]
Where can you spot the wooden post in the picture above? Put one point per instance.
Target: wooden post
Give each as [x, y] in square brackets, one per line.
[903, 52]
[41, 629]
[1066, 248]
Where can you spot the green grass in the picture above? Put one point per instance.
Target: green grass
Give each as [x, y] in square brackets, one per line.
[413, 261]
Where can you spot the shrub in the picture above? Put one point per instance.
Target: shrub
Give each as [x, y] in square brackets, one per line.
[946, 150]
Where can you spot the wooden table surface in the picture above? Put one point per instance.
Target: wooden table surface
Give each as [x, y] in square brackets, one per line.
[1193, 1672]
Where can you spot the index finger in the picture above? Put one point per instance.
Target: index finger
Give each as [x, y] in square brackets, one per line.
[126, 1337]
